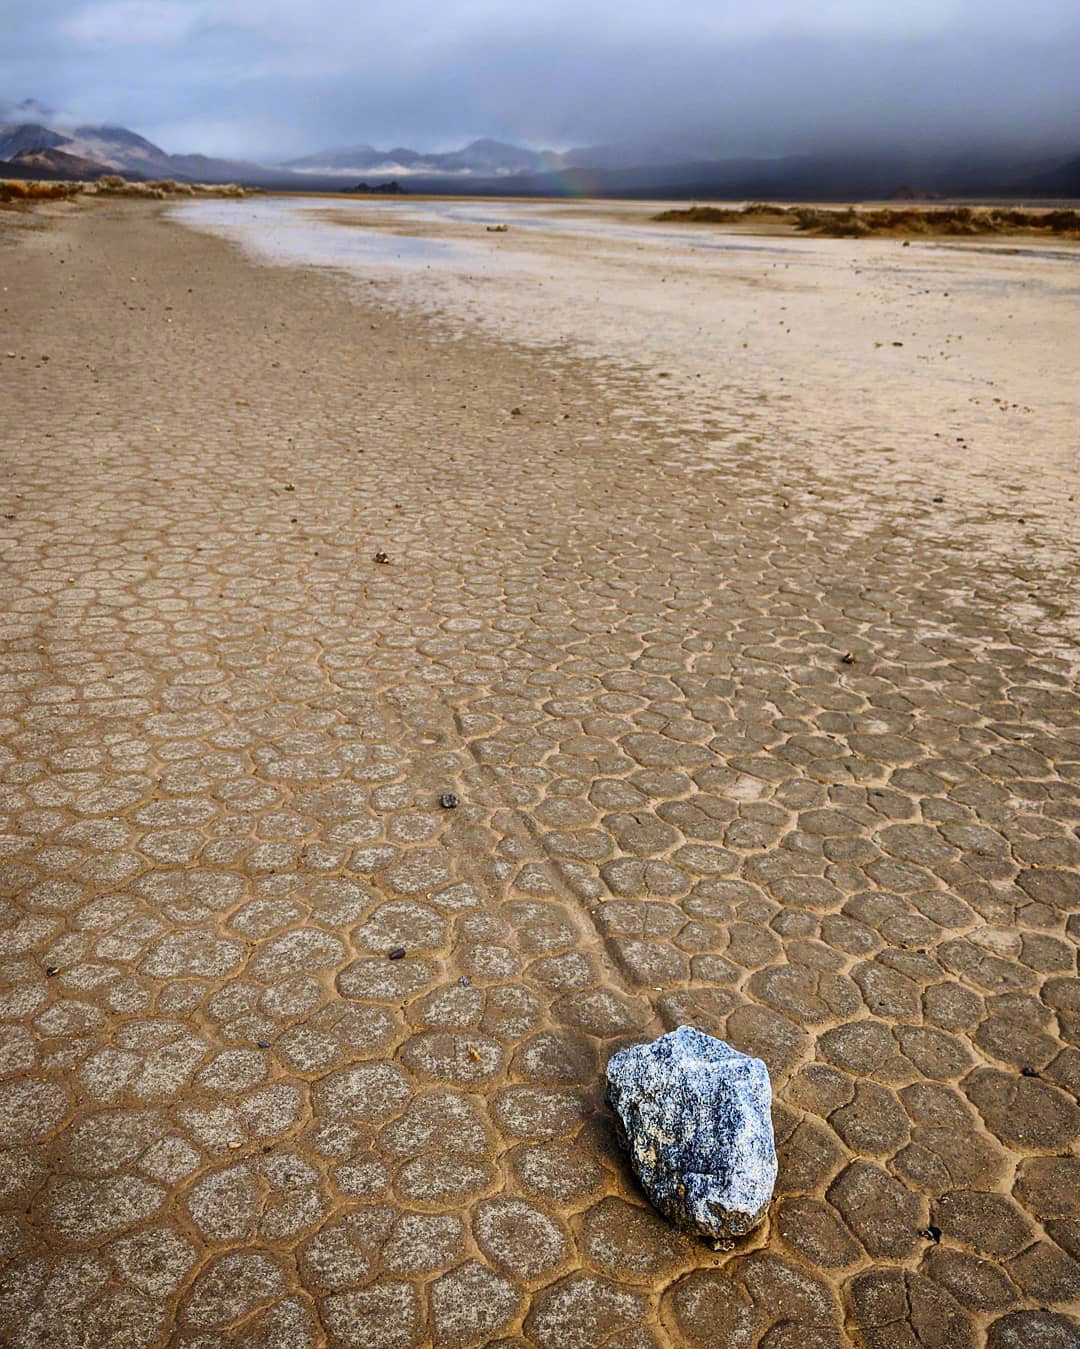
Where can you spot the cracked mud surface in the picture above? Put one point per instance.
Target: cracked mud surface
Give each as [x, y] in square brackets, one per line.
[227, 1119]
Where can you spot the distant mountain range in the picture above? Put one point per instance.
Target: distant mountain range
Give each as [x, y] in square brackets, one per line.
[494, 159]
[51, 163]
[489, 167]
[114, 149]
[482, 158]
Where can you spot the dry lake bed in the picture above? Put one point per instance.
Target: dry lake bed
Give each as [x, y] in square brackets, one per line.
[727, 580]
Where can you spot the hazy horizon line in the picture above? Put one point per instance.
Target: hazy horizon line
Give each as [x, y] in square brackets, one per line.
[30, 111]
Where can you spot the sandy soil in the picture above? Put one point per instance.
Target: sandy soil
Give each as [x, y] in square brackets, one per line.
[747, 730]
[903, 375]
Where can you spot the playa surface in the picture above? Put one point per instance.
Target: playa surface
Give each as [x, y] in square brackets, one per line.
[747, 648]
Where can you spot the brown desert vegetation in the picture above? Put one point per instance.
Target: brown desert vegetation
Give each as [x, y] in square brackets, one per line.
[853, 222]
[26, 191]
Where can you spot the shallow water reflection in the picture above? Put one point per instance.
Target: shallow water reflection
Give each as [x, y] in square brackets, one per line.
[289, 231]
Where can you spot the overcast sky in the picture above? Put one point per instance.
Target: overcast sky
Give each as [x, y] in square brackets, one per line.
[269, 78]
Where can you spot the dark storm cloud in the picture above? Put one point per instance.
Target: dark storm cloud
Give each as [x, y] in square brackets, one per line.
[275, 77]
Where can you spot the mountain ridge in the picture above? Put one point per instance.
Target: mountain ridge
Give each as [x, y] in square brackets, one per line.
[116, 149]
[484, 155]
[489, 167]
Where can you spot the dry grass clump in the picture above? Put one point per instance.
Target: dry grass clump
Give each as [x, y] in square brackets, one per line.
[112, 185]
[757, 212]
[937, 220]
[853, 223]
[28, 190]
[19, 189]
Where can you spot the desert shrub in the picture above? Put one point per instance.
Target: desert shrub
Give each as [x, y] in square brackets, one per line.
[30, 189]
[1062, 221]
[727, 215]
[850, 223]
[705, 215]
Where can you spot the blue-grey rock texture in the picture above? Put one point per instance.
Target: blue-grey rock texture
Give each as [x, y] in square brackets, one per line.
[695, 1116]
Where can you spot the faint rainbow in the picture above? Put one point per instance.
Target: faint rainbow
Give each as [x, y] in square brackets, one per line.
[575, 182]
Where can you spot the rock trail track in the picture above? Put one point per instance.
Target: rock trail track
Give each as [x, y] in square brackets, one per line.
[795, 779]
